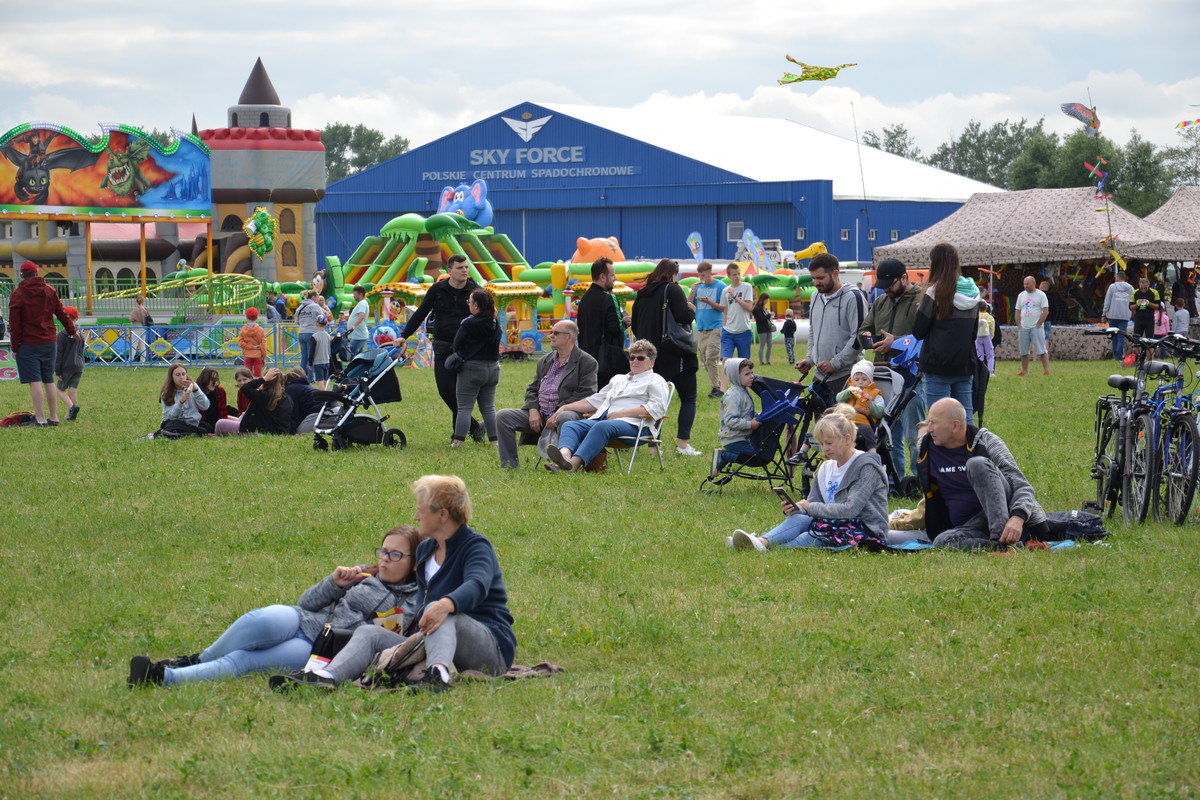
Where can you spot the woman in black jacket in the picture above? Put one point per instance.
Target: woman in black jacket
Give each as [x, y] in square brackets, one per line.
[947, 322]
[662, 294]
[477, 345]
[270, 408]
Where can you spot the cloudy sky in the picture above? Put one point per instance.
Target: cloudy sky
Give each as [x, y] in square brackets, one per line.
[422, 70]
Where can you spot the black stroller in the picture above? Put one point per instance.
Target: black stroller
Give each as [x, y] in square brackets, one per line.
[776, 441]
[895, 400]
[368, 380]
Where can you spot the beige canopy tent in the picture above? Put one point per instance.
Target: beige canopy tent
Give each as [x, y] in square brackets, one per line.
[1041, 225]
[1181, 213]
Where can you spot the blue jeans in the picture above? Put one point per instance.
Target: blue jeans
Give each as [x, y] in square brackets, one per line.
[957, 386]
[735, 451]
[477, 381]
[260, 640]
[904, 428]
[587, 437]
[306, 346]
[735, 341]
[793, 532]
[1118, 342]
[357, 346]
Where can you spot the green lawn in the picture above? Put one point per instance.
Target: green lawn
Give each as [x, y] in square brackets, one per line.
[691, 671]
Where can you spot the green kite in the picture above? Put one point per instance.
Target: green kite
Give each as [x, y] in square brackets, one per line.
[811, 73]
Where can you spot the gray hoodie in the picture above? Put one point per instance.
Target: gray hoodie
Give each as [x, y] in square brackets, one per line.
[833, 330]
[737, 406]
[1117, 299]
[354, 605]
[306, 316]
[862, 495]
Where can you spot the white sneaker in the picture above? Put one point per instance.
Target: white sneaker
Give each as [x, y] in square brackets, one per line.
[746, 541]
[687, 451]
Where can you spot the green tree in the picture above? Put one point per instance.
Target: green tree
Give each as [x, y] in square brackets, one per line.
[1068, 169]
[352, 149]
[895, 140]
[985, 154]
[1143, 179]
[1032, 168]
[1183, 162]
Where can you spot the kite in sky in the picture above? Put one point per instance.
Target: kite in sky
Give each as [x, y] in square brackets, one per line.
[811, 73]
[1187, 123]
[1085, 115]
[1095, 172]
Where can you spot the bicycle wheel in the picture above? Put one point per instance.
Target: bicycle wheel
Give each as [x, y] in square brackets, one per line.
[1139, 467]
[1179, 468]
[1105, 467]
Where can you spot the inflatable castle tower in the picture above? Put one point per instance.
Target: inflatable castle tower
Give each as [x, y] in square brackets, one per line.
[261, 160]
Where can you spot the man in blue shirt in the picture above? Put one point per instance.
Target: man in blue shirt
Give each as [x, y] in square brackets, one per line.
[706, 297]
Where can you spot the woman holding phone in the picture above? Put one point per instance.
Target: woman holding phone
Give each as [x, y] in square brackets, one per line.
[182, 404]
[846, 506]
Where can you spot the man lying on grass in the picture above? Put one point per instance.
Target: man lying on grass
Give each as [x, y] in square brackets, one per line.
[976, 497]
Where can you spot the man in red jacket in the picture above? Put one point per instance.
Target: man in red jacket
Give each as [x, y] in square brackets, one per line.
[31, 310]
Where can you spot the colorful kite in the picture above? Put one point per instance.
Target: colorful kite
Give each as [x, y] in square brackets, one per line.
[696, 245]
[811, 73]
[1095, 172]
[1085, 115]
[1187, 123]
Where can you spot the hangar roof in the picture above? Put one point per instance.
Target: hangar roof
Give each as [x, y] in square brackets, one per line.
[769, 149]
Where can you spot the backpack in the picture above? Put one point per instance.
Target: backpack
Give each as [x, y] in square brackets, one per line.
[18, 418]
[1075, 525]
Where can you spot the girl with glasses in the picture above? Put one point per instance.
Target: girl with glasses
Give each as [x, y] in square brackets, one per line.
[281, 637]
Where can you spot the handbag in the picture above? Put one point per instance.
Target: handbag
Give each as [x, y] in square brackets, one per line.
[397, 666]
[676, 338]
[329, 643]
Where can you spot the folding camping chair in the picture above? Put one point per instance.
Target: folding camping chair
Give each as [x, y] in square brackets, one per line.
[649, 434]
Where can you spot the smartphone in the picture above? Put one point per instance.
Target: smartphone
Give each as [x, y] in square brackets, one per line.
[783, 495]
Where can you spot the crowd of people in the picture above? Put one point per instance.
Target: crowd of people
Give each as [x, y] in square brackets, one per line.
[441, 580]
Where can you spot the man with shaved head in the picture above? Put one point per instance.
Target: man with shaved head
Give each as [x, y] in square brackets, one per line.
[976, 497]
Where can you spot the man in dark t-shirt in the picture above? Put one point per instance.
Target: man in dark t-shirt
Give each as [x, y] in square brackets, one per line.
[976, 497]
[1143, 304]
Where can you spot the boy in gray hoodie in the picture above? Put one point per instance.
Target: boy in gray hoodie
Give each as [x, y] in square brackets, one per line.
[737, 415]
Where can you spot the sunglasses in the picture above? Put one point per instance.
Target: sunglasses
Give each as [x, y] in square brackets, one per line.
[639, 358]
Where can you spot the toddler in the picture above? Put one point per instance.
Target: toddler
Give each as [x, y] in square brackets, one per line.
[320, 353]
[253, 341]
[867, 401]
[985, 351]
[68, 364]
[788, 329]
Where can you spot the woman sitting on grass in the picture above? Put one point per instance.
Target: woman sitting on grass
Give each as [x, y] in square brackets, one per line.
[464, 606]
[270, 409]
[218, 404]
[281, 637]
[847, 504]
[182, 404]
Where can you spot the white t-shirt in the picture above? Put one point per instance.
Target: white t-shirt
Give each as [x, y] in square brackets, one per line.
[1030, 305]
[737, 319]
[361, 331]
[830, 475]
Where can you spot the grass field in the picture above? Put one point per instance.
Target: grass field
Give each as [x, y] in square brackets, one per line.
[691, 671]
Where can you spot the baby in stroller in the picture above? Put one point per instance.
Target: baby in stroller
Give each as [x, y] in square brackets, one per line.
[867, 401]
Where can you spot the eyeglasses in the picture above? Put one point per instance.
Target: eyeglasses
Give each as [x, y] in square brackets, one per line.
[638, 358]
[391, 555]
[560, 333]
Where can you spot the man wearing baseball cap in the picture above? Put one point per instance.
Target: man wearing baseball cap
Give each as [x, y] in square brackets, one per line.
[891, 317]
[31, 309]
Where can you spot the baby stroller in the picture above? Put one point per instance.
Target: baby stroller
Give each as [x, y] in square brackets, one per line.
[368, 380]
[895, 399]
[776, 441]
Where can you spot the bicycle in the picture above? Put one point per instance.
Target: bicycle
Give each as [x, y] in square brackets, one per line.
[1123, 467]
[1177, 467]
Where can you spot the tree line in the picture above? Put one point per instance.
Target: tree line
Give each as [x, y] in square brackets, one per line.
[1021, 155]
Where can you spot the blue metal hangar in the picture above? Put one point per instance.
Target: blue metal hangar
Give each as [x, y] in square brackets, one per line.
[558, 172]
